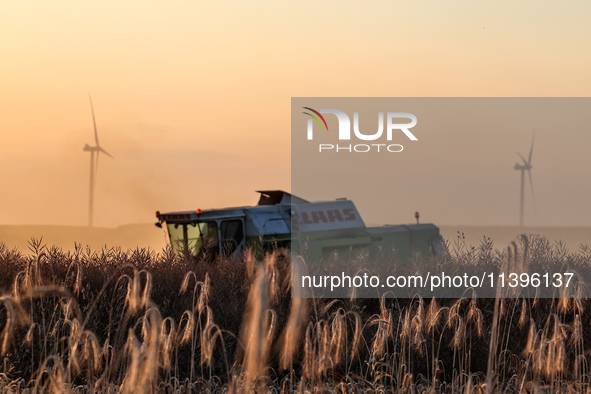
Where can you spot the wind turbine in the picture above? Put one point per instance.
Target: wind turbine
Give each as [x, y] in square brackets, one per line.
[526, 167]
[93, 166]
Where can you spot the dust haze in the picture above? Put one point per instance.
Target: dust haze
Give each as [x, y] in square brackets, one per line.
[196, 112]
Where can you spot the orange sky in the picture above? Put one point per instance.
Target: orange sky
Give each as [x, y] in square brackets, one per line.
[193, 98]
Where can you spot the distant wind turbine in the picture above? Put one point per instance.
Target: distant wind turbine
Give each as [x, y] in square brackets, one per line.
[93, 166]
[526, 167]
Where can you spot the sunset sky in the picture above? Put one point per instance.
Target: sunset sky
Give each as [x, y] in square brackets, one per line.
[192, 98]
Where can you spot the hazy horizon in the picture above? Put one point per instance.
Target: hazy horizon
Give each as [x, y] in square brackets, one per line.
[196, 112]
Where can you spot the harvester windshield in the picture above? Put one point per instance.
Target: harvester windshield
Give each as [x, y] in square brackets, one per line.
[194, 238]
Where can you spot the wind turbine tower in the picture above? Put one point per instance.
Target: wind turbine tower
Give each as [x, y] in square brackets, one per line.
[93, 165]
[526, 166]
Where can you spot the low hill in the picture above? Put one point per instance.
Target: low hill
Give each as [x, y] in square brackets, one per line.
[127, 236]
[147, 235]
[502, 236]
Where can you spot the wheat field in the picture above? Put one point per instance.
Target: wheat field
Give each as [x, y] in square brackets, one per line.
[141, 321]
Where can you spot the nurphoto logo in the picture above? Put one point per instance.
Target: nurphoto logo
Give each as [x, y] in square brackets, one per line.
[392, 125]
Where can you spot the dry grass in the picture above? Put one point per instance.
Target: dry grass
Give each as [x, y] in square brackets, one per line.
[138, 321]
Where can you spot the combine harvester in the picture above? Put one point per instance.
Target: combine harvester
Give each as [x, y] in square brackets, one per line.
[321, 230]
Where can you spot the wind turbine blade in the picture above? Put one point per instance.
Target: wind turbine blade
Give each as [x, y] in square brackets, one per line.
[533, 196]
[93, 121]
[531, 150]
[522, 158]
[105, 152]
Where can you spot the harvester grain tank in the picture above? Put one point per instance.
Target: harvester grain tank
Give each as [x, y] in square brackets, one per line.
[318, 230]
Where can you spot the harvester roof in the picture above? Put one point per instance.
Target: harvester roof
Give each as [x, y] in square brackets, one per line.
[268, 198]
[272, 214]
